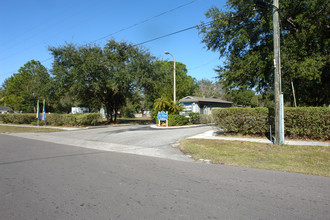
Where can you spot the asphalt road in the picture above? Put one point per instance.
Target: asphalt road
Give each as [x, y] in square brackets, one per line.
[42, 180]
[134, 139]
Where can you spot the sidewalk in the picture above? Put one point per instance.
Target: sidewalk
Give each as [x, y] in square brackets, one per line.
[211, 136]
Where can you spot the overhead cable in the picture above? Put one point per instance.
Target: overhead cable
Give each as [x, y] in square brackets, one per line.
[146, 20]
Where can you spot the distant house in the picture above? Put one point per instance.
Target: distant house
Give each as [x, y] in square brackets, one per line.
[81, 110]
[203, 105]
[4, 109]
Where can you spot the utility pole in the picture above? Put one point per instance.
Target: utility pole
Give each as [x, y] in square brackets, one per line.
[279, 140]
[279, 100]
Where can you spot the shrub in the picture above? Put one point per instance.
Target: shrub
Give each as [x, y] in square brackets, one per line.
[307, 122]
[304, 122]
[194, 117]
[206, 119]
[54, 119]
[88, 119]
[129, 113]
[18, 118]
[177, 120]
[60, 119]
[242, 120]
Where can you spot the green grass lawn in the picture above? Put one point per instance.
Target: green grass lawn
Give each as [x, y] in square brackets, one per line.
[14, 129]
[313, 160]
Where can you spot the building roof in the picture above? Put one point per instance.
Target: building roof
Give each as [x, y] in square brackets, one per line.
[3, 108]
[202, 99]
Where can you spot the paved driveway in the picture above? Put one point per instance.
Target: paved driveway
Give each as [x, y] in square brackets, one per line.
[135, 139]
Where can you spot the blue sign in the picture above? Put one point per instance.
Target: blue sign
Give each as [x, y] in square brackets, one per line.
[162, 116]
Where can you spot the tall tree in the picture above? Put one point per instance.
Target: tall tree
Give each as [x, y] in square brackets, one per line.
[99, 76]
[32, 82]
[207, 88]
[241, 97]
[2, 96]
[243, 34]
[161, 84]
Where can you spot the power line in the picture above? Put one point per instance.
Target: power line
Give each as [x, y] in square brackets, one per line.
[176, 32]
[124, 29]
[204, 64]
[146, 20]
[144, 42]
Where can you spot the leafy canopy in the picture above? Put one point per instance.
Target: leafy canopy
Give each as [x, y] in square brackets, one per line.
[100, 76]
[32, 82]
[243, 33]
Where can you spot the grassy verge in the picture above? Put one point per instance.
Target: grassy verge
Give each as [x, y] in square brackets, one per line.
[313, 160]
[12, 129]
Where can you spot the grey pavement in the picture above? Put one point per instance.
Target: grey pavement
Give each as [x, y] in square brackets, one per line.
[133, 139]
[141, 139]
[43, 180]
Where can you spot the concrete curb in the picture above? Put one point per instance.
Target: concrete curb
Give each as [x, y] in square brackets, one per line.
[174, 127]
[211, 136]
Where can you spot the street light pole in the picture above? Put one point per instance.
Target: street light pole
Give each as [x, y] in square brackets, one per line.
[174, 76]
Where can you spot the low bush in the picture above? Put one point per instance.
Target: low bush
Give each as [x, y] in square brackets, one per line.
[17, 118]
[194, 117]
[304, 122]
[206, 119]
[177, 120]
[307, 122]
[61, 119]
[128, 113]
[242, 120]
[88, 119]
[54, 119]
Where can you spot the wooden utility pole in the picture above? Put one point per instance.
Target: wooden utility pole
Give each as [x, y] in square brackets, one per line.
[277, 72]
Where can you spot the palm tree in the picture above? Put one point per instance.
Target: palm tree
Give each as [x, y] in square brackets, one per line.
[165, 104]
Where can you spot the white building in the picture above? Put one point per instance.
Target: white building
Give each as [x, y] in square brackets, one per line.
[202, 105]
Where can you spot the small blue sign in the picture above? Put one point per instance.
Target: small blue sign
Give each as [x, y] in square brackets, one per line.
[162, 116]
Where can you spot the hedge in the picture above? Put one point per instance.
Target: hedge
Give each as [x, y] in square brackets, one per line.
[177, 120]
[303, 122]
[53, 119]
[242, 120]
[194, 117]
[307, 122]
[206, 119]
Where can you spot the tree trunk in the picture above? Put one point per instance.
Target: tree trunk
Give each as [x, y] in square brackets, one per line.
[109, 113]
[115, 116]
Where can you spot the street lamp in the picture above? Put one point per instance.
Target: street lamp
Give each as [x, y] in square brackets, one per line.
[174, 92]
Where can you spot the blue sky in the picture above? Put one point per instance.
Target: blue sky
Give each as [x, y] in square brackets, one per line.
[28, 28]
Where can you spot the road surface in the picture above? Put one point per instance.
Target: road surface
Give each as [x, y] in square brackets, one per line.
[43, 180]
[134, 139]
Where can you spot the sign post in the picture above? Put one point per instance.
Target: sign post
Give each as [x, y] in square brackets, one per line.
[162, 116]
